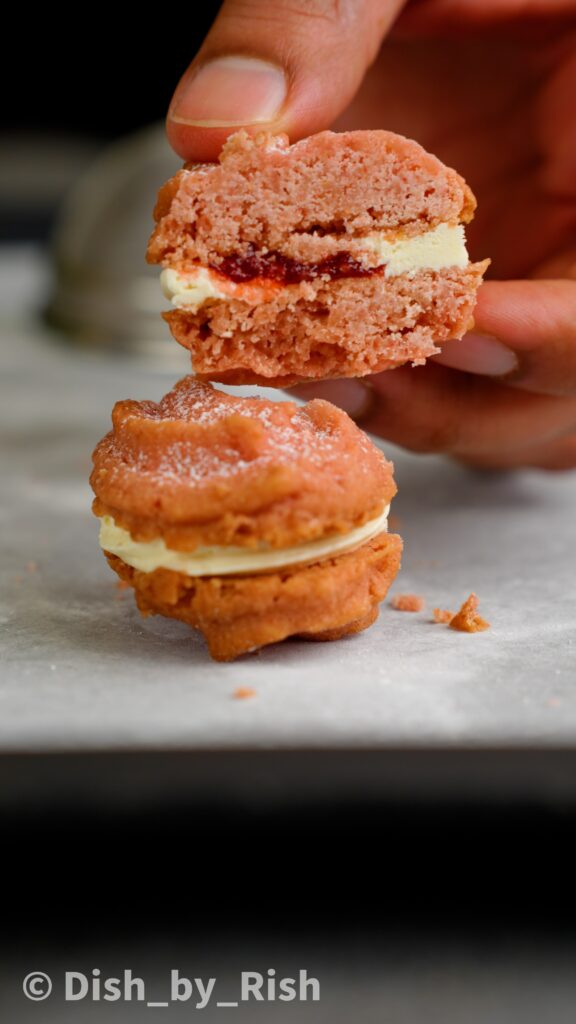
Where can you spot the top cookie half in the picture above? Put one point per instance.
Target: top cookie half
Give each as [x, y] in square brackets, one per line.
[339, 256]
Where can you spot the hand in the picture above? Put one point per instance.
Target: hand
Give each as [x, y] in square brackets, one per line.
[487, 85]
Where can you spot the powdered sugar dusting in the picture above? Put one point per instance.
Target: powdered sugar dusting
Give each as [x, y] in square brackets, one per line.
[197, 434]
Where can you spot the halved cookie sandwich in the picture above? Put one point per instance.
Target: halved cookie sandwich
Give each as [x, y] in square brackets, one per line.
[339, 256]
[249, 520]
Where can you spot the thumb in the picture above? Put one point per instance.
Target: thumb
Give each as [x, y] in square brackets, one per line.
[283, 67]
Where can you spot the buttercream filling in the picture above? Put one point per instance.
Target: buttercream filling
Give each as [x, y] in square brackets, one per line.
[442, 247]
[146, 556]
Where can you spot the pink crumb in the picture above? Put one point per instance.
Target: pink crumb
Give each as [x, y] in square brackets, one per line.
[442, 615]
[244, 692]
[467, 619]
[407, 602]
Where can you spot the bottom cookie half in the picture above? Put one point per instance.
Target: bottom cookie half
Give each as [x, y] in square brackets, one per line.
[237, 614]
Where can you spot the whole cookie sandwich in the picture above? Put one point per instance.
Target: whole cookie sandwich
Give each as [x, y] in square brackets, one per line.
[339, 256]
[250, 520]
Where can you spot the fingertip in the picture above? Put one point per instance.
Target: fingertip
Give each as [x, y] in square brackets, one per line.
[196, 145]
[478, 353]
[219, 96]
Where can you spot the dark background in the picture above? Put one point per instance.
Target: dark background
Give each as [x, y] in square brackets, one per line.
[99, 71]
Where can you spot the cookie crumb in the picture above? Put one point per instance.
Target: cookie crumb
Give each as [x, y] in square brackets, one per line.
[407, 602]
[442, 615]
[467, 620]
[32, 566]
[243, 692]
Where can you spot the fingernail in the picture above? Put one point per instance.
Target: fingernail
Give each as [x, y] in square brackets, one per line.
[478, 353]
[354, 398]
[230, 91]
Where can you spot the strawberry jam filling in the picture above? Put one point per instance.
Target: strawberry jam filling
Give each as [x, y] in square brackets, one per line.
[273, 266]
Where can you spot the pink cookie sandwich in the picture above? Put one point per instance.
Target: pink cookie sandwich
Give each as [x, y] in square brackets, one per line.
[249, 520]
[342, 255]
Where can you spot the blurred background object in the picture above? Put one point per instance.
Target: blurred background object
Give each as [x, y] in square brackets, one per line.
[103, 292]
